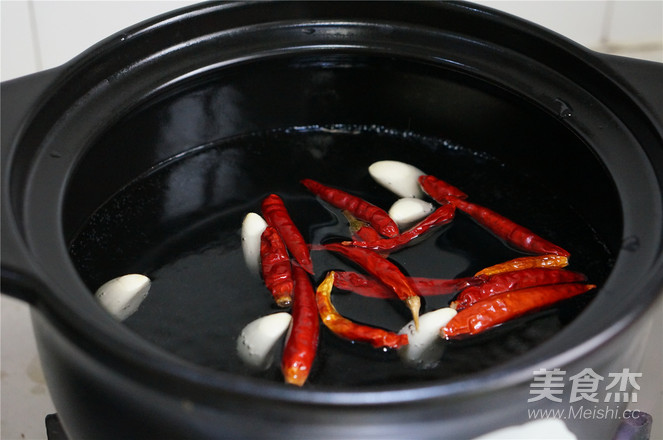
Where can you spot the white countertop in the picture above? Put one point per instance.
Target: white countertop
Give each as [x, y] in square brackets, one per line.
[25, 398]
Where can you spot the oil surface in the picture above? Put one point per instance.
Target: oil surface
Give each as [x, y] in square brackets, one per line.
[180, 223]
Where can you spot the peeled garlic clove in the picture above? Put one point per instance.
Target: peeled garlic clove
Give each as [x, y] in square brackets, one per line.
[252, 228]
[398, 177]
[257, 343]
[122, 296]
[408, 211]
[425, 346]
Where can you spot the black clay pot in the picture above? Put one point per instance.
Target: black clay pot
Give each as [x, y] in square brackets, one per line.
[144, 153]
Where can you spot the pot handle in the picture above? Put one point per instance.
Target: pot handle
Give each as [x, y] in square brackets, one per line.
[644, 81]
[20, 277]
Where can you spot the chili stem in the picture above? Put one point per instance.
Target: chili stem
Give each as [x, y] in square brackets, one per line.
[385, 271]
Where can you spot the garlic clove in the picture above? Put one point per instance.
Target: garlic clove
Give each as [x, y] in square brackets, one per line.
[408, 211]
[399, 177]
[122, 296]
[425, 347]
[259, 339]
[252, 228]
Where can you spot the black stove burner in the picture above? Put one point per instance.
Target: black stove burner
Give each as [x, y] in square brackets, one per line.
[637, 427]
[54, 429]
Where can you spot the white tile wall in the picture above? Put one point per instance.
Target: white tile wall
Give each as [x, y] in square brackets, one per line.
[629, 28]
[40, 34]
[17, 45]
[101, 19]
[37, 35]
[635, 22]
[581, 21]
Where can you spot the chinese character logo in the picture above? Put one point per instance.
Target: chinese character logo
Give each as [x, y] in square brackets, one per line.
[623, 379]
[585, 385]
[549, 384]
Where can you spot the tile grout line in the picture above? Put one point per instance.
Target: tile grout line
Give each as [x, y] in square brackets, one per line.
[604, 37]
[36, 47]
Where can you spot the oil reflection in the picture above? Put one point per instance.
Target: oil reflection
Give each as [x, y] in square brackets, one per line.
[207, 179]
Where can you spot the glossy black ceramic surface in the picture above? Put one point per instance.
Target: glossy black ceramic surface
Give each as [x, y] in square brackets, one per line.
[180, 225]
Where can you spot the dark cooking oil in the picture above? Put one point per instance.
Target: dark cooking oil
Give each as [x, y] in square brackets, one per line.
[180, 223]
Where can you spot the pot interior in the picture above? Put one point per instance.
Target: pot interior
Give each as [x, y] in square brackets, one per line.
[163, 191]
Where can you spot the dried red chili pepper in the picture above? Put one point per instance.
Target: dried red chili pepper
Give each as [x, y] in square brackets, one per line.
[520, 263]
[370, 287]
[276, 215]
[508, 305]
[360, 208]
[439, 286]
[276, 268]
[441, 216]
[439, 190]
[348, 329]
[302, 343]
[512, 233]
[509, 281]
[385, 271]
[360, 230]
